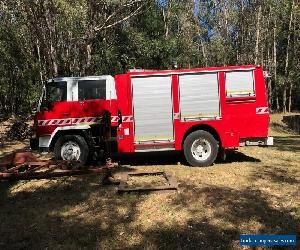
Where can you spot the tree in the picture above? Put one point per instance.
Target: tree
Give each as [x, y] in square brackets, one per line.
[40, 39]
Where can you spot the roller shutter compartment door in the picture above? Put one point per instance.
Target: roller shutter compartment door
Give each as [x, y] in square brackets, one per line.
[199, 95]
[152, 108]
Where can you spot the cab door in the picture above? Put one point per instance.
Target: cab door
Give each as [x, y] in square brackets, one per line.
[55, 109]
[91, 101]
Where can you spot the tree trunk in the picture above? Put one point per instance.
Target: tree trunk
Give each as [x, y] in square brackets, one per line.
[13, 95]
[270, 94]
[270, 89]
[241, 46]
[292, 55]
[54, 59]
[40, 61]
[284, 99]
[89, 37]
[226, 31]
[165, 23]
[88, 58]
[275, 66]
[51, 40]
[257, 34]
[286, 71]
[290, 97]
[204, 53]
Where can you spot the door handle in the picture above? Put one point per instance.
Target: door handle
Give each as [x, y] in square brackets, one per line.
[65, 114]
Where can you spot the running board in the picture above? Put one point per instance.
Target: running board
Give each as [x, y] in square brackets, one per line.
[153, 150]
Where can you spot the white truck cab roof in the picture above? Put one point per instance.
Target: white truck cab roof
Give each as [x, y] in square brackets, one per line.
[72, 85]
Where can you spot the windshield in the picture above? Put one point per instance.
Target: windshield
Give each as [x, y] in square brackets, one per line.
[56, 91]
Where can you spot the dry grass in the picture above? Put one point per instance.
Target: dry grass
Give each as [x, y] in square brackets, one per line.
[7, 147]
[257, 190]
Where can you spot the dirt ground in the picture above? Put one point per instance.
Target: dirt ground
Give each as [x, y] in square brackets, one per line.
[256, 191]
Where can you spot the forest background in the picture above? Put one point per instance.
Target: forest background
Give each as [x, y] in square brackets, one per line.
[41, 39]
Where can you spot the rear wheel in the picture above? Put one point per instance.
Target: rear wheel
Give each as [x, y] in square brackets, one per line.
[200, 149]
[71, 148]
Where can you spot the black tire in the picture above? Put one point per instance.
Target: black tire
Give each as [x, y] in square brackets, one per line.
[75, 139]
[210, 149]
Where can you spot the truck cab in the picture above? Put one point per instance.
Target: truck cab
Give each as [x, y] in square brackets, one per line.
[71, 116]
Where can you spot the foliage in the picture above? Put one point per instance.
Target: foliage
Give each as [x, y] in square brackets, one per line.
[40, 39]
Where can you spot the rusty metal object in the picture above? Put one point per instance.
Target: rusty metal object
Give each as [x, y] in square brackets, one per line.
[171, 185]
[25, 166]
[17, 158]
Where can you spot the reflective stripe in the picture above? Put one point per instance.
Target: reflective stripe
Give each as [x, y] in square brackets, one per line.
[262, 110]
[124, 118]
[76, 121]
[114, 119]
[68, 121]
[127, 118]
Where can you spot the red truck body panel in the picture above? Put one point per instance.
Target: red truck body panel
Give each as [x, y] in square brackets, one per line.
[240, 117]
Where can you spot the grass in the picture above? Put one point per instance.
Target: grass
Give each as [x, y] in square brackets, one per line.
[146, 180]
[257, 191]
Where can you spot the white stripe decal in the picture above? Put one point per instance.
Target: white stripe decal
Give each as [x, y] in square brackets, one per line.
[124, 118]
[114, 119]
[262, 110]
[127, 118]
[68, 121]
[77, 121]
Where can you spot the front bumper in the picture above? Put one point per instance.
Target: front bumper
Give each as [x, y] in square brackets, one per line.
[40, 143]
[265, 141]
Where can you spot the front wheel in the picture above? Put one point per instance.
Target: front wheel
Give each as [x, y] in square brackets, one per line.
[71, 148]
[200, 149]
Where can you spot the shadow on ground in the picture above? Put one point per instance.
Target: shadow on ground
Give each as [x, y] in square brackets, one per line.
[277, 175]
[150, 158]
[173, 158]
[287, 143]
[238, 208]
[56, 214]
[78, 212]
[197, 234]
[236, 156]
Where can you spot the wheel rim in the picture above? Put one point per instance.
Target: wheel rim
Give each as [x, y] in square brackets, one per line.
[70, 151]
[201, 149]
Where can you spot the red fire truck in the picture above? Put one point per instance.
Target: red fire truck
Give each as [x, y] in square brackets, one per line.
[201, 111]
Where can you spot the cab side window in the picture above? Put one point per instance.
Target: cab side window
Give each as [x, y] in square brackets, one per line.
[239, 84]
[91, 90]
[56, 91]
